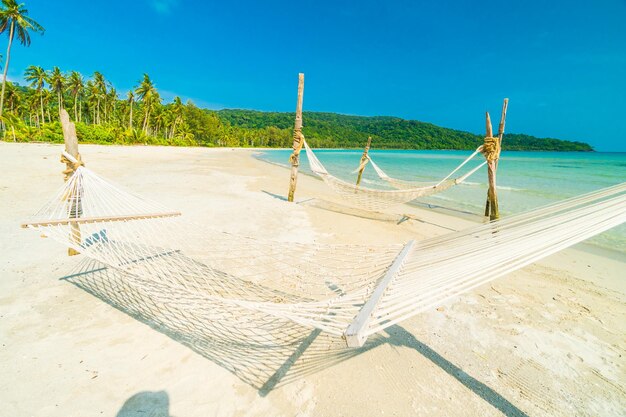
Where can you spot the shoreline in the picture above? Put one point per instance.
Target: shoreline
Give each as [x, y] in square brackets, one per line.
[254, 148]
[475, 218]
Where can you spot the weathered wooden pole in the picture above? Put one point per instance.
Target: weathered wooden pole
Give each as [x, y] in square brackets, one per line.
[71, 147]
[490, 171]
[298, 140]
[363, 160]
[505, 105]
[491, 149]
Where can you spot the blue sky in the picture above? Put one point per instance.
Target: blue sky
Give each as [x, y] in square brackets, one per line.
[561, 63]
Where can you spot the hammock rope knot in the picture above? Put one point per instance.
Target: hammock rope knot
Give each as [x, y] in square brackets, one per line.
[491, 149]
[70, 166]
[298, 139]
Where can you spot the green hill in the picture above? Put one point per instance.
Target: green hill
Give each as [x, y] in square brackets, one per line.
[333, 130]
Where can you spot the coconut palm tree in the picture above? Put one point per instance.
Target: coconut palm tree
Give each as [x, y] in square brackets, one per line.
[168, 122]
[158, 118]
[14, 18]
[130, 98]
[37, 78]
[146, 93]
[93, 99]
[32, 107]
[57, 84]
[47, 99]
[75, 85]
[100, 90]
[111, 103]
[12, 96]
[185, 134]
[177, 112]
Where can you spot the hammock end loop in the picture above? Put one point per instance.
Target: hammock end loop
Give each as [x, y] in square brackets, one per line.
[71, 166]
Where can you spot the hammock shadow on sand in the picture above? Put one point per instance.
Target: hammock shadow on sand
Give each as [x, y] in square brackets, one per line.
[294, 352]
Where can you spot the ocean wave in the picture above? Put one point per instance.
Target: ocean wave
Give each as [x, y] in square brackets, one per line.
[373, 182]
[507, 188]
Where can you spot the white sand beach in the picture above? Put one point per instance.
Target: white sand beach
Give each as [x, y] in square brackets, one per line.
[547, 340]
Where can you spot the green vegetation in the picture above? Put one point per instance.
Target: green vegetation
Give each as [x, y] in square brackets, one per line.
[331, 130]
[14, 20]
[141, 118]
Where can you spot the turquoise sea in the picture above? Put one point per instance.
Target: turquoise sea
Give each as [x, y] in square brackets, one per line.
[525, 179]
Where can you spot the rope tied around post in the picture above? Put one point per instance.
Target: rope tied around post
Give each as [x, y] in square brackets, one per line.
[491, 148]
[298, 143]
[71, 166]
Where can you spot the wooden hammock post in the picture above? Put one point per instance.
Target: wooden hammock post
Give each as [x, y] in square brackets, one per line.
[71, 147]
[490, 170]
[298, 140]
[491, 149]
[363, 159]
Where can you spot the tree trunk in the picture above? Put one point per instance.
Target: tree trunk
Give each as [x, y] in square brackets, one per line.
[6, 65]
[75, 108]
[145, 121]
[130, 118]
[43, 115]
[297, 140]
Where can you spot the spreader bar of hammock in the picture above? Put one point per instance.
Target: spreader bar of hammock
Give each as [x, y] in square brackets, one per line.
[355, 334]
[86, 220]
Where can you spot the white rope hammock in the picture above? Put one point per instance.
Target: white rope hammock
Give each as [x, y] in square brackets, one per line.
[406, 185]
[375, 199]
[349, 291]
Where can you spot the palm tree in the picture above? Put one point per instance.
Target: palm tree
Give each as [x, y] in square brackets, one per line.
[177, 111]
[146, 93]
[93, 99]
[168, 122]
[57, 84]
[130, 97]
[14, 17]
[111, 102]
[100, 90]
[12, 96]
[185, 134]
[47, 98]
[32, 105]
[37, 78]
[158, 119]
[75, 85]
